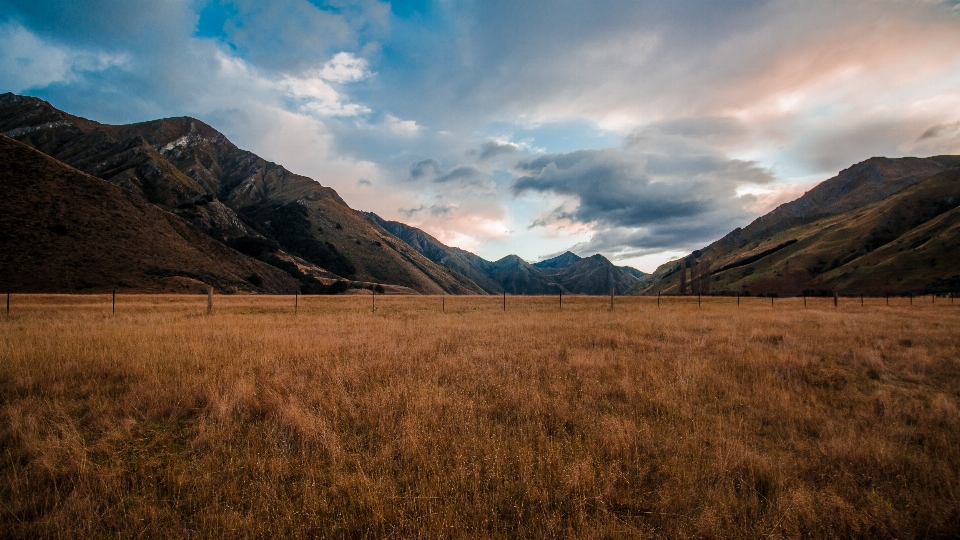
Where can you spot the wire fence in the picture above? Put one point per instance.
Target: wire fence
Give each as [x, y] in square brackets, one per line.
[210, 303]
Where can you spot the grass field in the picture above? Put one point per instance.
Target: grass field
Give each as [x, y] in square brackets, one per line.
[678, 421]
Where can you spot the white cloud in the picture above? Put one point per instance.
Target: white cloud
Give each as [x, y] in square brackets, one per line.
[30, 62]
[344, 67]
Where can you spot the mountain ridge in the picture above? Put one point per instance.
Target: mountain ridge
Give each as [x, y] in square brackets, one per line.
[187, 167]
[838, 229]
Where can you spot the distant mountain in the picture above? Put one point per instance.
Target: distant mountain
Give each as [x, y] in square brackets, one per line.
[187, 167]
[472, 268]
[563, 260]
[634, 272]
[517, 276]
[595, 275]
[64, 231]
[567, 272]
[881, 226]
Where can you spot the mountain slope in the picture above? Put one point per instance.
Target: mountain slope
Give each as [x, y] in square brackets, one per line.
[517, 276]
[64, 231]
[595, 275]
[563, 260]
[463, 263]
[188, 167]
[900, 238]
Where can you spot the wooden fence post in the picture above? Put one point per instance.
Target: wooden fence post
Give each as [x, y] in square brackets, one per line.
[611, 298]
[209, 300]
[911, 299]
[836, 299]
[561, 296]
[374, 296]
[8, 301]
[861, 299]
[804, 299]
[504, 300]
[738, 299]
[113, 303]
[443, 302]
[658, 298]
[887, 298]
[296, 303]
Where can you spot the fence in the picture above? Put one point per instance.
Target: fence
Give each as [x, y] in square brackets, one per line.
[117, 302]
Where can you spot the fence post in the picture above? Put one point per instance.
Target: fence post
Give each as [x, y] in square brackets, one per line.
[911, 299]
[698, 301]
[611, 298]
[887, 297]
[861, 299]
[443, 302]
[374, 295]
[8, 301]
[658, 298]
[209, 300]
[933, 298]
[504, 300]
[804, 299]
[836, 299]
[561, 296]
[113, 303]
[738, 299]
[296, 303]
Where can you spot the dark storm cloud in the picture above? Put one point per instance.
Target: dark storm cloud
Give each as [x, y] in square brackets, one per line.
[617, 188]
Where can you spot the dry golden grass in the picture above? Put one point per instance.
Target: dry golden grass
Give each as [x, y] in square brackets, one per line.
[641, 422]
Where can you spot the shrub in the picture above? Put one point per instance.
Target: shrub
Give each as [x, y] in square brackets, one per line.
[338, 287]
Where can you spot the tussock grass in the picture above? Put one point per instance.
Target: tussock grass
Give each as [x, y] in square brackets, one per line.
[641, 422]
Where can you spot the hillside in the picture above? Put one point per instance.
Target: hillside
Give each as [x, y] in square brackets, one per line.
[459, 262]
[189, 168]
[64, 231]
[595, 275]
[882, 226]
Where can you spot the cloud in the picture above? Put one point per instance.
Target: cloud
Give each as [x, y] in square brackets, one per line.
[648, 200]
[29, 62]
[344, 67]
[463, 174]
[492, 149]
[424, 169]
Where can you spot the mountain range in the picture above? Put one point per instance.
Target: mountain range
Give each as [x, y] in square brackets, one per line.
[172, 205]
[882, 226]
[204, 212]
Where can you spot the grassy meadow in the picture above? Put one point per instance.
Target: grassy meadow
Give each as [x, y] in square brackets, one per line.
[718, 421]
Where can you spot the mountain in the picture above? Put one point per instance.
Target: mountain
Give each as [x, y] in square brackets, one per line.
[567, 272]
[881, 226]
[563, 260]
[459, 262]
[64, 231]
[187, 167]
[595, 275]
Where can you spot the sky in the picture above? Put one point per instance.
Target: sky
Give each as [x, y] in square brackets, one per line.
[637, 129]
